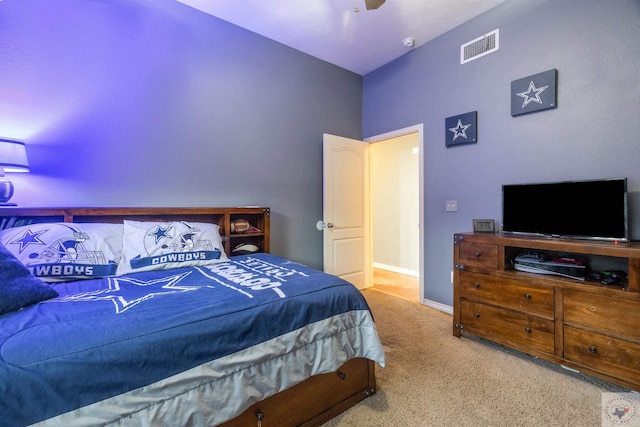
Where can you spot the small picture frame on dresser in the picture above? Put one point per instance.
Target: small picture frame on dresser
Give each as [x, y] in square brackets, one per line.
[483, 226]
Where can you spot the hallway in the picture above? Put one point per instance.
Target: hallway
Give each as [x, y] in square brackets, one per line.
[400, 285]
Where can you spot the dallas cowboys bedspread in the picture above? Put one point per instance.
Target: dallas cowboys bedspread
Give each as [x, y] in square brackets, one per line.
[130, 346]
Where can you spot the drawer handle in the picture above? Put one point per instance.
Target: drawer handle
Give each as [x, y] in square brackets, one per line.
[478, 254]
[593, 349]
[342, 375]
[527, 296]
[476, 315]
[476, 285]
[527, 330]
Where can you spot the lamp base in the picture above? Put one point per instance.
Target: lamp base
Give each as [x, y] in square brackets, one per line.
[6, 189]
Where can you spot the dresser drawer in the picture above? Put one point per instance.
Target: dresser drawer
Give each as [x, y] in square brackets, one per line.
[507, 327]
[531, 299]
[612, 356]
[616, 316]
[478, 255]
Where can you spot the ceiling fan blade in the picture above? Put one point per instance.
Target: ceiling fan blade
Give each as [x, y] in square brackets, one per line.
[373, 4]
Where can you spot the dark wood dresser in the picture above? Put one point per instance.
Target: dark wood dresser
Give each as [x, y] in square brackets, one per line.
[583, 325]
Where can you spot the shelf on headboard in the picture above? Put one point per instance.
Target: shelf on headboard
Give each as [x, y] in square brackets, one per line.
[258, 217]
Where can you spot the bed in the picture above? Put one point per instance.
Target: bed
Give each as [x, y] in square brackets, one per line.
[157, 319]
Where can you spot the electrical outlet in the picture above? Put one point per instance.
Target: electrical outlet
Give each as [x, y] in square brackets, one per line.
[451, 206]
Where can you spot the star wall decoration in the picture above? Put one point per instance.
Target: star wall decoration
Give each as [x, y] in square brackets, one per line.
[534, 93]
[461, 129]
[528, 97]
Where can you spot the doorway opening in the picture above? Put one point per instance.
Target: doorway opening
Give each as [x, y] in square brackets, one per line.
[396, 211]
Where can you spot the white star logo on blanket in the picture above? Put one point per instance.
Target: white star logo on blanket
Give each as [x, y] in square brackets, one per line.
[162, 286]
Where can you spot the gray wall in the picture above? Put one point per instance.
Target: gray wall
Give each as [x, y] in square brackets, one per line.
[152, 103]
[592, 134]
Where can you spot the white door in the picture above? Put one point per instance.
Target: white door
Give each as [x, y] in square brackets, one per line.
[346, 209]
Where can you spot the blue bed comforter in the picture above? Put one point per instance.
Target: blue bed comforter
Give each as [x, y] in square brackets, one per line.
[103, 338]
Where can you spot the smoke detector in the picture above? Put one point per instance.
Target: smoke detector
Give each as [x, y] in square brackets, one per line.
[409, 42]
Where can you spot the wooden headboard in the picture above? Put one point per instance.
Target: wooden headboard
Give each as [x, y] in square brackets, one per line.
[258, 217]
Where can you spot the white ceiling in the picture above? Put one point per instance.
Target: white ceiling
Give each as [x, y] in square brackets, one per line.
[343, 32]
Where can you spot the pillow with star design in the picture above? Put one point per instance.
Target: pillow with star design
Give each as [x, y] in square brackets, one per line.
[148, 245]
[63, 251]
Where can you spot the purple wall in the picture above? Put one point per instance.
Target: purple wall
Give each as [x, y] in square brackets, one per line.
[593, 133]
[152, 103]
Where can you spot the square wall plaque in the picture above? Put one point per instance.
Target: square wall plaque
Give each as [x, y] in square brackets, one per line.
[534, 93]
[461, 129]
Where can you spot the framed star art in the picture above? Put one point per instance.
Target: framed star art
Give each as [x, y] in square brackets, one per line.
[534, 93]
[461, 129]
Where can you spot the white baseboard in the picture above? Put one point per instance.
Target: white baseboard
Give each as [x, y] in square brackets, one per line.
[400, 270]
[438, 306]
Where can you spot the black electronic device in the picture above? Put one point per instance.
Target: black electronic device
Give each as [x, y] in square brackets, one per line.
[595, 209]
[538, 263]
[614, 277]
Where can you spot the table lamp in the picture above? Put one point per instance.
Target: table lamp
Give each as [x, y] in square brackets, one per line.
[13, 158]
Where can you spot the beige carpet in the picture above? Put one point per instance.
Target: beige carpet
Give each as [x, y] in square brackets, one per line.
[435, 379]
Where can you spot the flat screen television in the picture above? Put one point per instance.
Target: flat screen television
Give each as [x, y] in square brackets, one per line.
[595, 209]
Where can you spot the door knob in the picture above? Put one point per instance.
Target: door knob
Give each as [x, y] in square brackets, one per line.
[320, 225]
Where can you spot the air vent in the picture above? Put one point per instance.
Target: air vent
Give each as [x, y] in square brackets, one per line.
[481, 46]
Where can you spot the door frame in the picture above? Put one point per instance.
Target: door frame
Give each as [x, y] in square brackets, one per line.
[419, 129]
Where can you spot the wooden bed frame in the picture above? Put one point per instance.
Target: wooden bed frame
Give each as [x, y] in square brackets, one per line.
[310, 403]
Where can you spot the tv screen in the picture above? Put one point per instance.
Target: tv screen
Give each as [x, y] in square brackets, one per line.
[595, 209]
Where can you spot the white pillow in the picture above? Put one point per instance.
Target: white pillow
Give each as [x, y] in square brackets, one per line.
[66, 251]
[150, 246]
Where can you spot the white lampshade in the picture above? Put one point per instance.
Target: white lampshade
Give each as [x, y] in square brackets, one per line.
[13, 155]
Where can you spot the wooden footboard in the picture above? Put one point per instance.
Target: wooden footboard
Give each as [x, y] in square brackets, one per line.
[314, 401]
